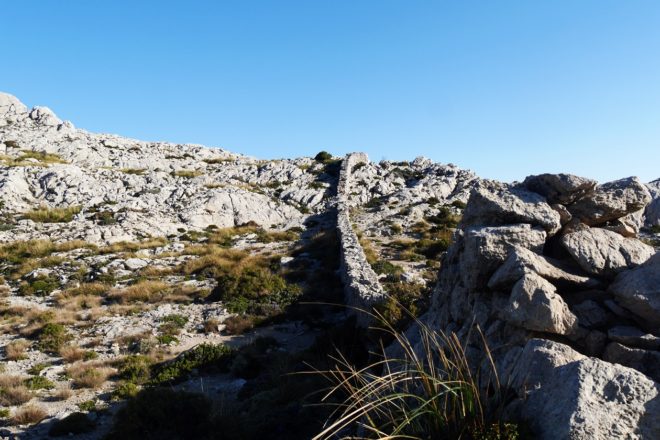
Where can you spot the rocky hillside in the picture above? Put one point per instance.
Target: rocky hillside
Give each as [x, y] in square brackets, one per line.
[122, 261]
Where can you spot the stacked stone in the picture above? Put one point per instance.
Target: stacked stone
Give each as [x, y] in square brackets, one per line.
[552, 272]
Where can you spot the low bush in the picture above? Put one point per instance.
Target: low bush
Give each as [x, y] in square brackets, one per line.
[135, 369]
[156, 414]
[239, 324]
[84, 375]
[125, 390]
[52, 337]
[39, 383]
[73, 424]
[40, 286]
[323, 156]
[202, 357]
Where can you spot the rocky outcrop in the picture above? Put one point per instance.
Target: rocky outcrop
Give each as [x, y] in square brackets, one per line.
[563, 303]
[602, 252]
[652, 212]
[142, 188]
[361, 285]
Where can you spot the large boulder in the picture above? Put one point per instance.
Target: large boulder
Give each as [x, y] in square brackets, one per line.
[486, 248]
[535, 305]
[638, 290]
[560, 188]
[569, 396]
[523, 261]
[644, 361]
[652, 212]
[499, 205]
[611, 201]
[602, 252]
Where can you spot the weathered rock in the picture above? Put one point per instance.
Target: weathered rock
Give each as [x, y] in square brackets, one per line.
[644, 361]
[602, 252]
[564, 215]
[652, 212]
[523, 261]
[627, 226]
[535, 305]
[569, 396]
[638, 290]
[501, 206]
[560, 188]
[590, 314]
[611, 201]
[633, 337]
[486, 248]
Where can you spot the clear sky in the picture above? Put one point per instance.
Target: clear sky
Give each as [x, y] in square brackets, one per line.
[506, 88]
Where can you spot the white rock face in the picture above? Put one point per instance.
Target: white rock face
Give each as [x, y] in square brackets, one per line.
[570, 396]
[498, 205]
[611, 201]
[535, 305]
[638, 290]
[148, 188]
[602, 252]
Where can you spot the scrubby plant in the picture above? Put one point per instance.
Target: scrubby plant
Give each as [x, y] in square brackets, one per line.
[42, 285]
[85, 375]
[141, 291]
[125, 390]
[239, 324]
[431, 391]
[323, 156]
[202, 357]
[29, 415]
[39, 383]
[160, 413]
[13, 391]
[135, 369]
[52, 337]
[188, 174]
[134, 171]
[87, 405]
[52, 215]
[16, 350]
[73, 424]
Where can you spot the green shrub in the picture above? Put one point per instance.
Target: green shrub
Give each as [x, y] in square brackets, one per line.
[87, 405]
[135, 369]
[40, 286]
[74, 423]
[157, 414]
[4, 413]
[125, 390]
[255, 290]
[202, 357]
[52, 337]
[39, 383]
[323, 156]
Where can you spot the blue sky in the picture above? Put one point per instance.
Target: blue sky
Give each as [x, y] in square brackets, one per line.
[506, 88]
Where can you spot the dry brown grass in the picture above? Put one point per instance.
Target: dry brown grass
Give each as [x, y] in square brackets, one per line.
[211, 325]
[133, 246]
[15, 350]
[77, 303]
[71, 353]
[29, 415]
[63, 392]
[52, 215]
[143, 291]
[87, 289]
[13, 391]
[88, 374]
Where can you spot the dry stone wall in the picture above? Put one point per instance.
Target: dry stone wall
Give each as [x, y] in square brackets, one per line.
[361, 285]
[553, 274]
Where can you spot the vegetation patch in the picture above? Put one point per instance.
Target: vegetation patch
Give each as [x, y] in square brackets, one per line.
[52, 215]
[73, 424]
[204, 357]
[52, 337]
[188, 174]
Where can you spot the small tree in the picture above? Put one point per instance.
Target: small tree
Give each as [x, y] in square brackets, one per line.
[323, 156]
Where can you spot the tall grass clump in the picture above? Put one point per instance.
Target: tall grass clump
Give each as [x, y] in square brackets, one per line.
[429, 391]
[52, 215]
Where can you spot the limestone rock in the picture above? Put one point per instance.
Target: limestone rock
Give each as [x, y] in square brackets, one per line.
[535, 305]
[611, 201]
[560, 188]
[633, 337]
[570, 396]
[501, 206]
[486, 248]
[602, 252]
[652, 212]
[638, 290]
[523, 261]
[644, 361]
